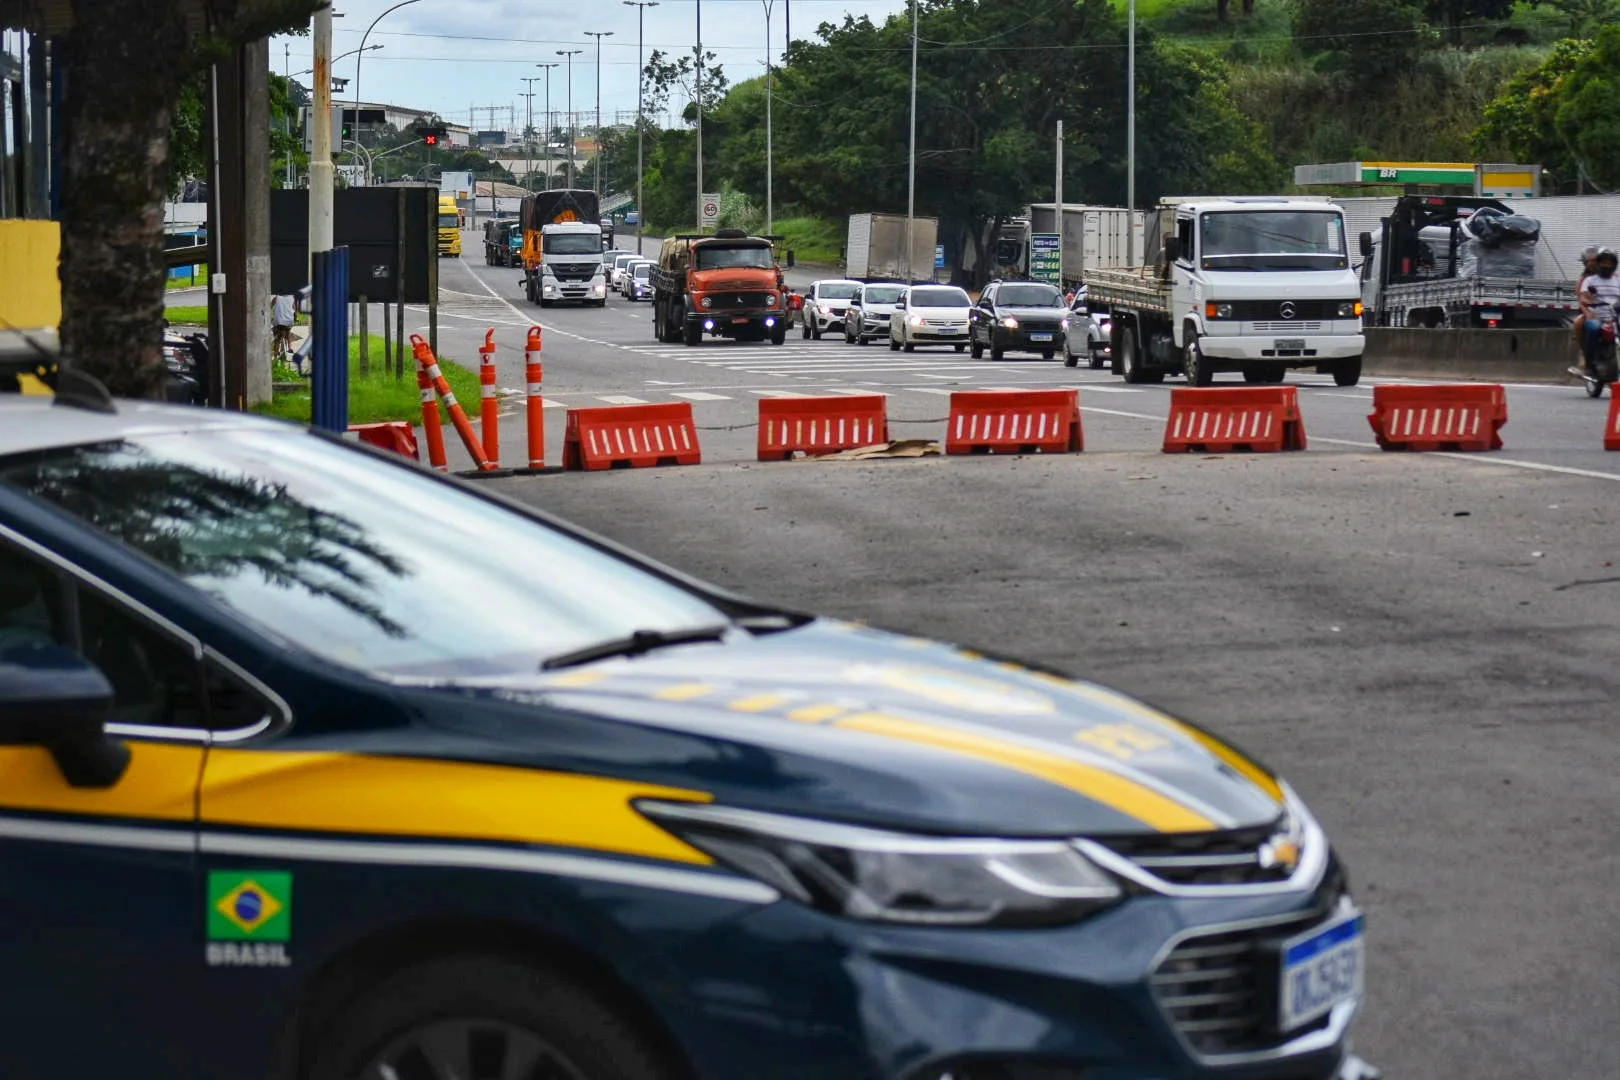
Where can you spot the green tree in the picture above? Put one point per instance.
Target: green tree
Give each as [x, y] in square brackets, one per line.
[1522, 123]
[1588, 112]
[1368, 43]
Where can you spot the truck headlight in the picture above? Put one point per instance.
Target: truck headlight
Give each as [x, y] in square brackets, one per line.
[770, 300]
[599, 289]
[705, 302]
[1350, 309]
[881, 876]
[1010, 323]
[1217, 311]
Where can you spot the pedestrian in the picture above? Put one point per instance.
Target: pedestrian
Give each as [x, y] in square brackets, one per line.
[283, 314]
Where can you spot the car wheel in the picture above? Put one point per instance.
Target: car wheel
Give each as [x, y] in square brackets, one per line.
[1198, 369]
[976, 350]
[909, 347]
[1069, 359]
[996, 354]
[959, 348]
[806, 326]
[816, 331]
[1096, 361]
[894, 346]
[1047, 354]
[1348, 372]
[515, 1020]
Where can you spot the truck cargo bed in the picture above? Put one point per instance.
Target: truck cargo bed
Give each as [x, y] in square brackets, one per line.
[1138, 287]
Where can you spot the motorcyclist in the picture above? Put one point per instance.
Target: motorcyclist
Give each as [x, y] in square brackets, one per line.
[1588, 266]
[1599, 296]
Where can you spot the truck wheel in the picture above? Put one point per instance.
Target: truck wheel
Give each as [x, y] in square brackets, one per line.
[433, 1018]
[1348, 372]
[691, 332]
[1132, 363]
[1198, 369]
[778, 334]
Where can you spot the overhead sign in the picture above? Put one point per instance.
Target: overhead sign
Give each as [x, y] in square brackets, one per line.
[1046, 258]
[710, 211]
[939, 256]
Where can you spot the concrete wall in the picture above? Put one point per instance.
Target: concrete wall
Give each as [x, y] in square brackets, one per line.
[1477, 355]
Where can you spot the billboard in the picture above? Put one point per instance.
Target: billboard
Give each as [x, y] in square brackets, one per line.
[391, 234]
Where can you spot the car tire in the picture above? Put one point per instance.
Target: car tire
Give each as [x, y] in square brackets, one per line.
[894, 346]
[976, 350]
[996, 354]
[1347, 372]
[1047, 354]
[1069, 359]
[816, 331]
[438, 1007]
[1096, 361]
[1198, 368]
[959, 348]
[909, 347]
[806, 326]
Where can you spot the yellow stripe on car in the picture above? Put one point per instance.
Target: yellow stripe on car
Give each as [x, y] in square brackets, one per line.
[1127, 796]
[684, 691]
[160, 784]
[361, 793]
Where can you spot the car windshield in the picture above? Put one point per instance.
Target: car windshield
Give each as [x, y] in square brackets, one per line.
[572, 244]
[366, 564]
[836, 291]
[881, 294]
[642, 270]
[1273, 240]
[718, 258]
[1029, 296]
[449, 221]
[939, 298]
[622, 261]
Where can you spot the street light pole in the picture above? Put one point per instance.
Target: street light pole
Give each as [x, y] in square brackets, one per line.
[911, 182]
[641, 7]
[599, 35]
[528, 128]
[361, 52]
[1130, 132]
[545, 144]
[769, 216]
[570, 54]
[697, 97]
[320, 157]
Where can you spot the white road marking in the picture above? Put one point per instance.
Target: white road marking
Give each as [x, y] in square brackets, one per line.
[928, 390]
[621, 399]
[779, 393]
[698, 395]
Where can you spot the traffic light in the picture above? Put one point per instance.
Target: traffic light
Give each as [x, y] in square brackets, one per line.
[432, 134]
[431, 139]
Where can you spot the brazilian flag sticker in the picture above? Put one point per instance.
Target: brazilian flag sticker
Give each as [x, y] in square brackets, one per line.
[249, 905]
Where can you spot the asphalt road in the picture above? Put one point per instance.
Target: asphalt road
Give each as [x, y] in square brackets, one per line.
[1424, 644]
[607, 356]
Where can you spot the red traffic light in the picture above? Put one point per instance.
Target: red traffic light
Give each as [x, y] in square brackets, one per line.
[431, 140]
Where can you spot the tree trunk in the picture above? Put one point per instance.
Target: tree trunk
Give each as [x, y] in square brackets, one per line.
[126, 61]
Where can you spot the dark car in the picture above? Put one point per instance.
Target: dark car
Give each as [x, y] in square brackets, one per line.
[503, 240]
[1017, 316]
[317, 765]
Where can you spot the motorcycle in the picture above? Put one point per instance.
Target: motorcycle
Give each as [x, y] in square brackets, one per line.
[1603, 367]
[186, 360]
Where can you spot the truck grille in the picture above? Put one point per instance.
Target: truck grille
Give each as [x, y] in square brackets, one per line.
[1231, 857]
[573, 273]
[1296, 326]
[731, 301]
[1252, 310]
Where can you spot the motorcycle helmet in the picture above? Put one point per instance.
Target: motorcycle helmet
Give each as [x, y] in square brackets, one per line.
[1606, 255]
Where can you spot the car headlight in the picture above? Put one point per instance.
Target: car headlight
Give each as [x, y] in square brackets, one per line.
[1217, 311]
[1063, 324]
[705, 302]
[1010, 323]
[881, 876]
[1350, 309]
[915, 320]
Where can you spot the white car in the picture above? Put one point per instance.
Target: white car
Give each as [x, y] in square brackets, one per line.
[1086, 334]
[870, 310]
[825, 304]
[616, 273]
[930, 315]
[638, 281]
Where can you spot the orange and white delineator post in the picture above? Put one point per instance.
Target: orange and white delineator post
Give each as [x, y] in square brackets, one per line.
[432, 429]
[464, 428]
[489, 408]
[533, 373]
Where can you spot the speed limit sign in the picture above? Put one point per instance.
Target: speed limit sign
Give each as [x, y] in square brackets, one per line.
[710, 210]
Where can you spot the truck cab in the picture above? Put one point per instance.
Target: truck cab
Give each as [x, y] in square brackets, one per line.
[725, 285]
[571, 264]
[449, 226]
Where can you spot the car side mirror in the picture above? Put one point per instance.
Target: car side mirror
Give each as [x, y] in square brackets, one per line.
[900, 303]
[1366, 245]
[1172, 249]
[53, 698]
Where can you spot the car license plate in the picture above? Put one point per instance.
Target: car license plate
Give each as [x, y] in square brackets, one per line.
[1320, 969]
[947, 330]
[1040, 337]
[1289, 344]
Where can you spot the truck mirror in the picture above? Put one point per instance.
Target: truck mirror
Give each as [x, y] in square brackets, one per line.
[1172, 249]
[792, 261]
[1366, 245]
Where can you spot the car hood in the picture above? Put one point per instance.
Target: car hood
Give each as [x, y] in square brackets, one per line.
[879, 309]
[1050, 314]
[960, 313]
[837, 721]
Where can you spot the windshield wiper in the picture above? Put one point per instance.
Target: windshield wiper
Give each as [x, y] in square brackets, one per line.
[636, 644]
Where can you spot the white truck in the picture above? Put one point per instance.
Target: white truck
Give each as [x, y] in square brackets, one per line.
[571, 268]
[1093, 238]
[875, 249]
[1255, 284]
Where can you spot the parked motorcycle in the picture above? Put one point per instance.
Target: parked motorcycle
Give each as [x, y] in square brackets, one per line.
[186, 358]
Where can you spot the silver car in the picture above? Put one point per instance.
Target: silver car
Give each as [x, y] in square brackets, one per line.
[825, 304]
[869, 311]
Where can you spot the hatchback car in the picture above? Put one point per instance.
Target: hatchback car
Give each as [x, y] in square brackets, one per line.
[1020, 316]
[1086, 333]
[373, 773]
[616, 269]
[869, 311]
[638, 281]
[824, 306]
[930, 315]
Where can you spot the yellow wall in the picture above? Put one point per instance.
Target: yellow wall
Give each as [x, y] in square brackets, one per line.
[30, 290]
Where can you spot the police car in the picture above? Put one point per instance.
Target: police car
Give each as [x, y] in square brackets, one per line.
[316, 765]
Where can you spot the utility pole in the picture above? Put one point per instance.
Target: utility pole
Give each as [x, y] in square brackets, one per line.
[769, 215]
[546, 145]
[911, 181]
[570, 54]
[528, 129]
[1057, 202]
[697, 97]
[641, 7]
[598, 35]
[320, 158]
[1130, 132]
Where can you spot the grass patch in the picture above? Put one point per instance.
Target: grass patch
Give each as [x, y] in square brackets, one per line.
[379, 396]
[187, 313]
[813, 240]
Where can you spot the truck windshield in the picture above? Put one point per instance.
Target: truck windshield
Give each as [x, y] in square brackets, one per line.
[1029, 296]
[572, 244]
[1273, 240]
[719, 258]
[449, 221]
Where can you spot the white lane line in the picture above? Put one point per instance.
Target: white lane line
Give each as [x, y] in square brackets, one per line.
[925, 375]
[929, 390]
[698, 395]
[621, 399]
[779, 393]
[553, 403]
[856, 391]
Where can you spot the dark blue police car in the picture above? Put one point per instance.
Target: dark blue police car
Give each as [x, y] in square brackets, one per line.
[315, 765]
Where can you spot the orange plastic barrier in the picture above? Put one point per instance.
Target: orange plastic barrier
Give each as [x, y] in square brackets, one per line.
[1015, 422]
[1217, 421]
[489, 407]
[630, 436]
[820, 425]
[1457, 416]
[1611, 434]
[464, 428]
[395, 435]
[533, 374]
[431, 423]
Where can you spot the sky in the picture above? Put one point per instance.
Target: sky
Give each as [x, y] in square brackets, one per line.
[459, 57]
